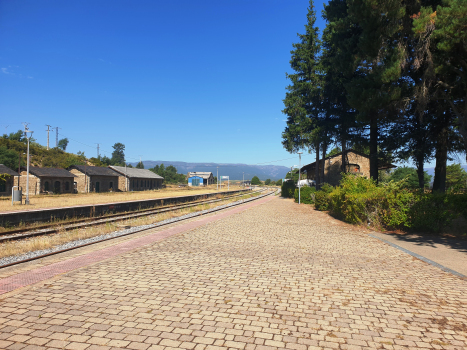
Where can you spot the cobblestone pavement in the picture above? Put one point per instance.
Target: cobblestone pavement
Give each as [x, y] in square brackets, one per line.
[275, 276]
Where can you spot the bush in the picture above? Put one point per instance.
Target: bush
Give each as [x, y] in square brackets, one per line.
[306, 195]
[360, 200]
[288, 189]
[322, 197]
[432, 212]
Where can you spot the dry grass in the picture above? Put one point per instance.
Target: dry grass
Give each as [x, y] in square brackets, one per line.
[44, 242]
[68, 200]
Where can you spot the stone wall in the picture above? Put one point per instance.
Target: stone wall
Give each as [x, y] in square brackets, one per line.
[333, 168]
[105, 183]
[144, 184]
[38, 185]
[10, 182]
[34, 183]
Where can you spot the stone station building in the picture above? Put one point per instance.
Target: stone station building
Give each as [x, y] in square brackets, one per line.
[47, 180]
[94, 178]
[355, 162]
[134, 179]
[5, 186]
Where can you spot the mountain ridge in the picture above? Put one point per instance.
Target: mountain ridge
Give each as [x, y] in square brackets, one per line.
[233, 170]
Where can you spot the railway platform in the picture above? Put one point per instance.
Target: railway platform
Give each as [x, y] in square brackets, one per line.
[266, 275]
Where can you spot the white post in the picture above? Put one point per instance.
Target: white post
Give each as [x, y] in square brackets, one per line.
[27, 168]
[299, 166]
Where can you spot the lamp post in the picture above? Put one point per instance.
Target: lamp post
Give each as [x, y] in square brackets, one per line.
[299, 166]
[26, 130]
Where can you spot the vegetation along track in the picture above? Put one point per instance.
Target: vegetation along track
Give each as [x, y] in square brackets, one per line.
[47, 229]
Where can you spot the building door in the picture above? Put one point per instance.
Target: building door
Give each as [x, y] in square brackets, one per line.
[46, 186]
[57, 187]
[98, 188]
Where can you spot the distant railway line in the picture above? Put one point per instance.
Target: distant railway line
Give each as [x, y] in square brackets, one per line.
[52, 228]
[48, 229]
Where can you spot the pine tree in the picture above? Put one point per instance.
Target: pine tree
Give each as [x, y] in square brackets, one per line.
[304, 128]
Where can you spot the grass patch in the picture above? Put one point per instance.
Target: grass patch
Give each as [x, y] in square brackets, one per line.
[12, 248]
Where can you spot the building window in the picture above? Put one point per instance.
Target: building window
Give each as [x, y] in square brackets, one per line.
[2, 186]
[67, 186]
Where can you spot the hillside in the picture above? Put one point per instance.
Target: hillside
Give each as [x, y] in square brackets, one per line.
[234, 171]
[10, 150]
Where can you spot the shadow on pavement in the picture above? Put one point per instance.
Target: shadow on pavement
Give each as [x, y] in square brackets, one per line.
[432, 241]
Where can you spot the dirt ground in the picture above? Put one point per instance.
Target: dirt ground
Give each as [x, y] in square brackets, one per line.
[67, 200]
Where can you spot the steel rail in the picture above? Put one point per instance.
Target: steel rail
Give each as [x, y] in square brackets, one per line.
[56, 227]
[209, 211]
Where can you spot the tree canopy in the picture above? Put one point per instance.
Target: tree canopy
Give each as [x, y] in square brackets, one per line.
[169, 173]
[118, 155]
[63, 143]
[387, 77]
[255, 180]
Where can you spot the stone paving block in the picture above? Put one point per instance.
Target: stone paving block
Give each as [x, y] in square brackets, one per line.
[276, 276]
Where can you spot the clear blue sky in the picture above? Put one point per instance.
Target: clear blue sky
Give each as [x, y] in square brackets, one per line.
[195, 81]
[199, 81]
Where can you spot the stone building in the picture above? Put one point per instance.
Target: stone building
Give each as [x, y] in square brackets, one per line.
[134, 179]
[11, 180]
[355, 162]
[198, 178]
[94, 178]
[47, 180]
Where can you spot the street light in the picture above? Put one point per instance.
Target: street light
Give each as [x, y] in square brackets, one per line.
[299, 166]
[26, 130]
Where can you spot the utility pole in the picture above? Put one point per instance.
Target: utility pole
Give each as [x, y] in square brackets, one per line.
[26, 130]
[217, 182]
[243, 180]
[48, 131]
[56, 136]
[6, 127]
[299, 166]
[98, 155]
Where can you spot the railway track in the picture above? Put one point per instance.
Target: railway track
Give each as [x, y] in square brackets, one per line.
[148, 227]
[47, 229]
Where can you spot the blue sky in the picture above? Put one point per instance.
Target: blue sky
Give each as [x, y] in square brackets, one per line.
[199, 81]
[195, 81]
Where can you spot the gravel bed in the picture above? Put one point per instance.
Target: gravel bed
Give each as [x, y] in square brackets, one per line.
[80, 242]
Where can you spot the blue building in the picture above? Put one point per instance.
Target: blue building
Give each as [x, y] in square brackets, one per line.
[200, 179]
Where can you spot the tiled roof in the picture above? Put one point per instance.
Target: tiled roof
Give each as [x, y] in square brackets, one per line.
[94, 170]
[135, 172]
[48, 172]
[6, 170]
[204, 175]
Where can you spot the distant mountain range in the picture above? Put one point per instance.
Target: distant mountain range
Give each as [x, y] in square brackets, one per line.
[431, 171]
[234, 171]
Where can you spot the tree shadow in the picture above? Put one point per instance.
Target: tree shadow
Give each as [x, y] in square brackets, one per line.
[431, 240]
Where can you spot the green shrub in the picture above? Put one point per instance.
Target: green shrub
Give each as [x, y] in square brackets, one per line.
[306, 195]
[359, 200]
[322, 198]
[433, 212]
[288, 189]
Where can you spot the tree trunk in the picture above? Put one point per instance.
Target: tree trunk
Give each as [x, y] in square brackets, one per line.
[420, 171]
[343, 145]
[317, 166]
[374, 149]
[439, 183]
[324, 161]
